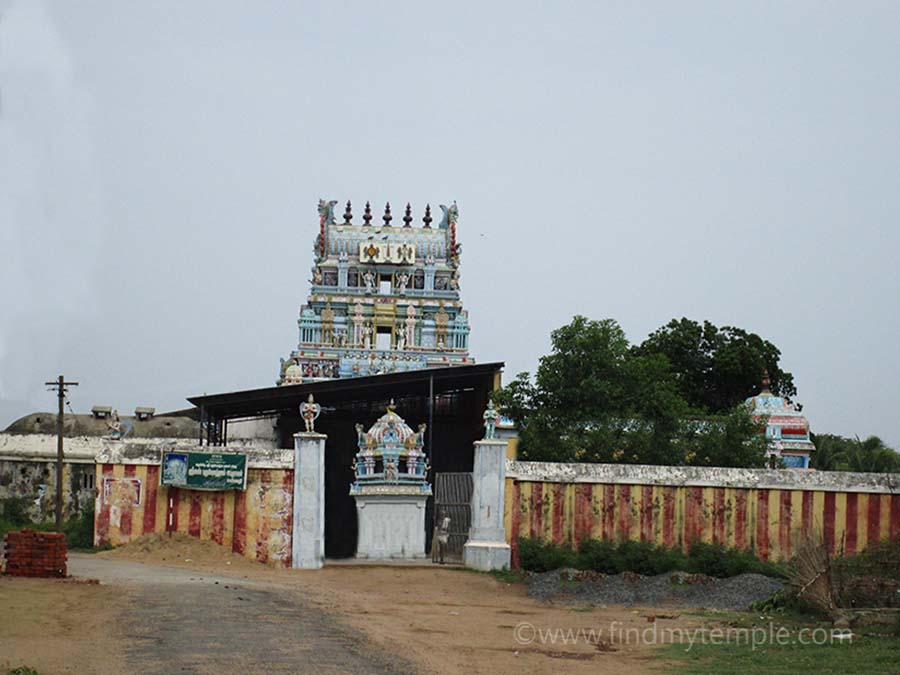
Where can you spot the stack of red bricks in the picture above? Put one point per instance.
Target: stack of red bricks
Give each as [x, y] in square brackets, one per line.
[35, 554]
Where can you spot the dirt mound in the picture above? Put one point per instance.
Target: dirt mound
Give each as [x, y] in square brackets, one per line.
[175, 548]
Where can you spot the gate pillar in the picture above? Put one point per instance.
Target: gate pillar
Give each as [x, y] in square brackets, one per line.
[308, 532]
[486, 548]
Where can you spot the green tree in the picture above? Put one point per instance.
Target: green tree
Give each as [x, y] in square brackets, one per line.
[731, 439]
[870, 456]
[829, 452]
[595, 399]
[838, 453]
[717, 368]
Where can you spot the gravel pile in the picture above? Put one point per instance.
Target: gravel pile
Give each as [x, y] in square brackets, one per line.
[676, 588]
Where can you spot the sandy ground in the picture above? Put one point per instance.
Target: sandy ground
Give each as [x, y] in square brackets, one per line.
[398, 619]
[58, 626]
[445, 619]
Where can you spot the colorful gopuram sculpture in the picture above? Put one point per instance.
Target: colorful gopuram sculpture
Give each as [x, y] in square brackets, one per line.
[787, 429]
[383, 299]
[391, 488]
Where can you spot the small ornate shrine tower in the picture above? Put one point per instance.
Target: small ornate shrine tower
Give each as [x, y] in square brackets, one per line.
[384, 298]
[391, 489]
[787, 429]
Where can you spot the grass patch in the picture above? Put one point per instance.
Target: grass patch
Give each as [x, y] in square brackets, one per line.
[509, 576]
[865, 655]
[780, 647]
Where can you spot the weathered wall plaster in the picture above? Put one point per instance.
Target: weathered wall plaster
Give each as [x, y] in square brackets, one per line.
[769, 511]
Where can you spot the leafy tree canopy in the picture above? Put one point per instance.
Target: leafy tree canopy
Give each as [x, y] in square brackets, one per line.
[837, 453]
[594, 398]
[717, 368]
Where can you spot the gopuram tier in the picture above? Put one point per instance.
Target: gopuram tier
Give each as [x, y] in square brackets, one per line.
[384, 298]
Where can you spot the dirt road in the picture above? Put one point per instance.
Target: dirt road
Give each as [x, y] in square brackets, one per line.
[183, 621]
[170, 604]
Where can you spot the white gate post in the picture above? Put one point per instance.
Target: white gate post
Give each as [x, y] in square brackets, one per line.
[308, 532]
[486, 548]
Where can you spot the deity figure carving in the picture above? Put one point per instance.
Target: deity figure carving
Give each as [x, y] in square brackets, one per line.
[317, 276]
[367, 336]
[328, 324]
[401, 341]
[309, 411]
[491, 419]
[402, 282]
[441, 319]
[406, 253]
[454, 281]
[114, 424]
[369, 280]
[390, 469]
[357, 324]
[420, 434]
[326, 212]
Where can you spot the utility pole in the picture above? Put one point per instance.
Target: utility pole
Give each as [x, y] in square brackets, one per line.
[61, 387]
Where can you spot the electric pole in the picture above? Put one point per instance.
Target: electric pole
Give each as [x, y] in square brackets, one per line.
[61, 387]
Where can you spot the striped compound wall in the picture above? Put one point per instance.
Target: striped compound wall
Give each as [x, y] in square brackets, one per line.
[770, 512]
[255, 522]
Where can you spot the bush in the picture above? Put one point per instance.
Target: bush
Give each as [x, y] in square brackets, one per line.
[598, 555]
[716, 560]
[649, 559]
[641, 557]
[79, 531]
[14, 512]
[536, 556]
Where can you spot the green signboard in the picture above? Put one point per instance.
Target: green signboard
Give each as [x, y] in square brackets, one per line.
[204, 470]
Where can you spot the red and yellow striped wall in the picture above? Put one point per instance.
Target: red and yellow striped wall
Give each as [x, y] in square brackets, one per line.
[771, 522]
[255, 523]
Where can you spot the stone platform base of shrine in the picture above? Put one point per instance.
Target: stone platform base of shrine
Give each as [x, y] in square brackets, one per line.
[391, 526]
[486, 555]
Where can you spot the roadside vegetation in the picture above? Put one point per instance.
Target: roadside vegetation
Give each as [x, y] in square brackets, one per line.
[675, 399]
[785, 642]
[79, 531]
[644, 558]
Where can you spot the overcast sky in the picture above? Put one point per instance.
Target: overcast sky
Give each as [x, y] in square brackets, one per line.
[160, 165]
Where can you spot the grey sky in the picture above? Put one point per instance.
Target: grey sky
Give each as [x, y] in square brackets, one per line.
[160, 165]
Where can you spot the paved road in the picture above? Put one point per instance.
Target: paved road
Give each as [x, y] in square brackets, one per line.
[182, 621]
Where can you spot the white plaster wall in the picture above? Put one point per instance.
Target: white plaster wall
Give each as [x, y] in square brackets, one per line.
[42, 447]
[391, 526]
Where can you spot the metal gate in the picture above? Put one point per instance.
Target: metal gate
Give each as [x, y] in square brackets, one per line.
[453, 498]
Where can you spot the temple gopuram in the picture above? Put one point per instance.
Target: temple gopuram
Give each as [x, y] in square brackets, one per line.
[384, 298]
[787, 429]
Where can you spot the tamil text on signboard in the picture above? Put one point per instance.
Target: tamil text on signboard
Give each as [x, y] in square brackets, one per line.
[205, 470]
